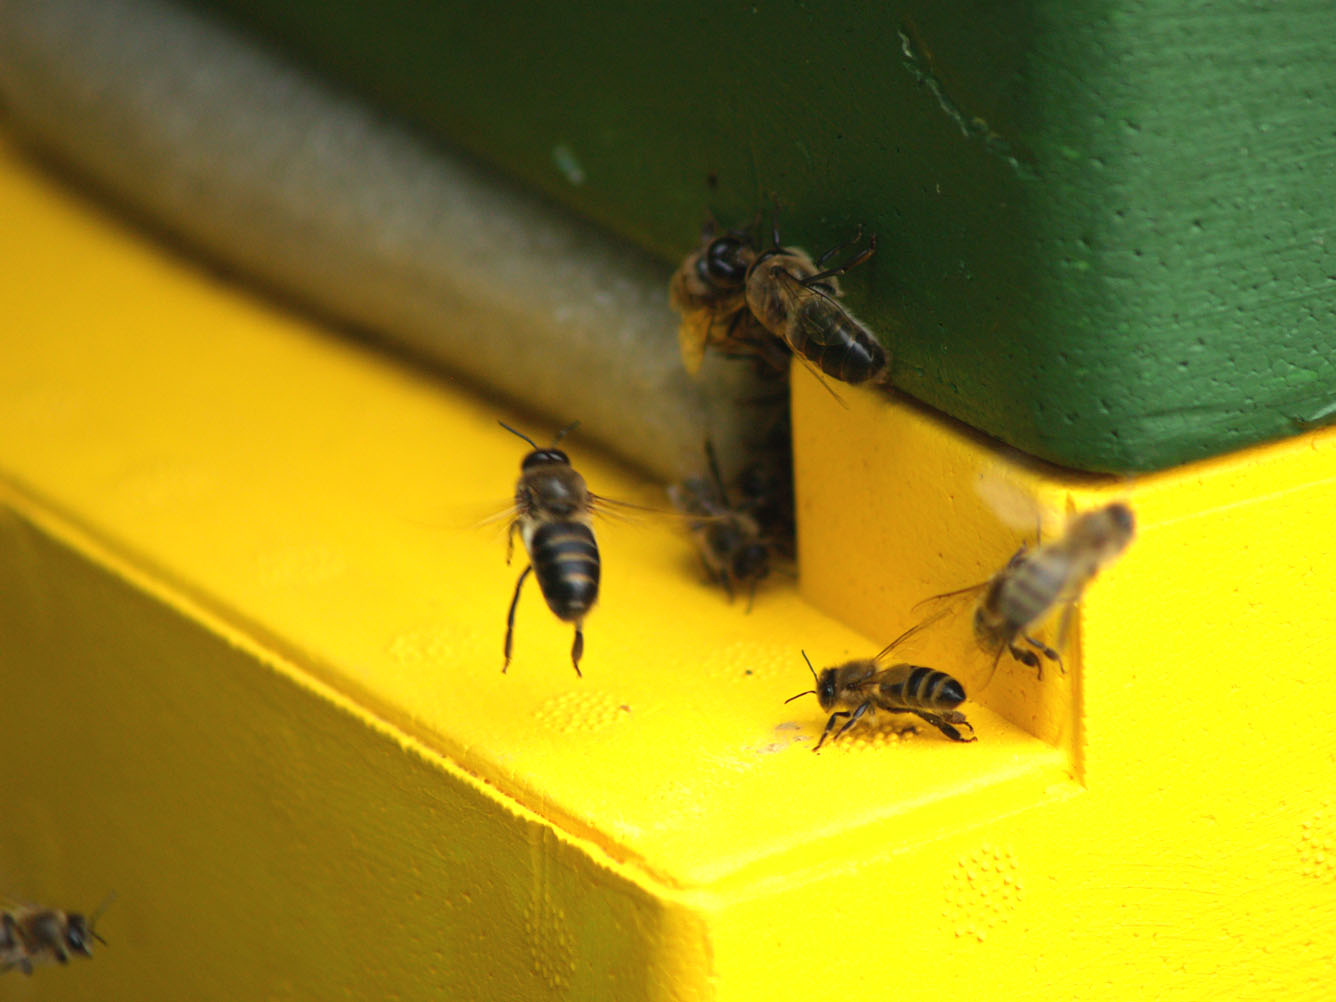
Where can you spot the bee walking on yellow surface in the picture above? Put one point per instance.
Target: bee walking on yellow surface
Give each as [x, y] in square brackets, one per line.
[728, 539]
[797, 300]
[553, 517]
[1035, 582]
[856, 689]
[709, 289]
[30, 936]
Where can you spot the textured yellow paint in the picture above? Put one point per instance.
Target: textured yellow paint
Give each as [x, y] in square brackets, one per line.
[251, 653]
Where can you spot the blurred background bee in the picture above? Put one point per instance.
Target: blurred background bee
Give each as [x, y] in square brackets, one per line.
[31, 936]
[1011, 605]
[732, 548]
[709, 289]
[553, 518]
[856, 690]
[798, 302]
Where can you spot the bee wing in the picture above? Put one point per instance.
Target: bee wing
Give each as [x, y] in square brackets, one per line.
[942, 610]
[793, 292]
[1013, 506]
[693, 334]
[615, 510]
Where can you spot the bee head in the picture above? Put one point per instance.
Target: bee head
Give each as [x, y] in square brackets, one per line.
[724, 262]
[79, 935]
[826, 692]
[80, 931]
[751, 562]
[1120, 517]
[544, 457]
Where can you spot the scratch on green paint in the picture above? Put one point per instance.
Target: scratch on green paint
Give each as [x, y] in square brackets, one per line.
[919, 65]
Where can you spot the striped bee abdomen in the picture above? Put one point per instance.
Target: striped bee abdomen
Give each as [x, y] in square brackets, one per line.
[565, 561]
[921, 688]
[838, 345]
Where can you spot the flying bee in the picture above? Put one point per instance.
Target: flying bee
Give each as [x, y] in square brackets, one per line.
[797, 300]
[553, 517]
[1035, 582]
[709, 289]
[857, 688]
[30, 936]
[728, 538]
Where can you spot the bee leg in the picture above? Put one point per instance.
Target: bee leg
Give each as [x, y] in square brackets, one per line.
[849, 265]
[578, 646]
[1026, 658]
[751, 595]
[862, 709]
[947, 728]
[8, 932]
[25, 965]
[821, 261]
[830, 724]
[1047, 651]
[510, 616]
[510, 541]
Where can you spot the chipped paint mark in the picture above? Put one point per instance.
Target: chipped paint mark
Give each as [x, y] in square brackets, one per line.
[567, 165]
[919, 65]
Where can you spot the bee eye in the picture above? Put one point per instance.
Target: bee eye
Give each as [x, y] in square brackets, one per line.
[723, 261]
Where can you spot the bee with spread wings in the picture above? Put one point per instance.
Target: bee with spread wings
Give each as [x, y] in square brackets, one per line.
[553, 516]
[1011, 605]
[857, 689]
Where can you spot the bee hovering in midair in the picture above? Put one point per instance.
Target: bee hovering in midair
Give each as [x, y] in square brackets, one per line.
[553, 517]
[797, 300]
[1035, 582]
[859, 688]
[30, 936]
[709, 290]
[729, 540]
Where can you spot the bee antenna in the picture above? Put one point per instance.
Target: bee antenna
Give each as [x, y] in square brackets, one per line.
[810, 668]
[565, 431]
[97, 914]
[518, 433]
[713, 462]
[809, 692]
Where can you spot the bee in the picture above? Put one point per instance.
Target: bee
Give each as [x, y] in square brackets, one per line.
[553, 518]
[797, 300]
[31, 936]
[861, 687]
[728, 538]
[709, 289]
[1036, 581]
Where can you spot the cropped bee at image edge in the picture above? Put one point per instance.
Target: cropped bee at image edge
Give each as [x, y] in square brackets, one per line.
[30, 936]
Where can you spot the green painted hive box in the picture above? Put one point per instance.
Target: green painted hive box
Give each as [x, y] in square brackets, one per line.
[1103, 226]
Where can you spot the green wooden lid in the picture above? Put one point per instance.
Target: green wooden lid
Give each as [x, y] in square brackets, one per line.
[1102, 226]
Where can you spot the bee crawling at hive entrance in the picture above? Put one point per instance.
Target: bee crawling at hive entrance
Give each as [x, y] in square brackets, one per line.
[797, 300]
[744, 301]
[729, 539]
[553, 518]
[856, 690]
[709, 290]
[1036, 582]
[30, 936]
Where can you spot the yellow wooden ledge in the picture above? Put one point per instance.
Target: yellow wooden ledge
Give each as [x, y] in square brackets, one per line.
[250, 649]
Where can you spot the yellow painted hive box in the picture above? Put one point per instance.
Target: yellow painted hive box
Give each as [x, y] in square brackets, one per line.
[250, 644]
